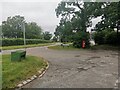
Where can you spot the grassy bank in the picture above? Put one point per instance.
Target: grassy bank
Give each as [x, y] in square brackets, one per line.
[22, 46]
[15, 72]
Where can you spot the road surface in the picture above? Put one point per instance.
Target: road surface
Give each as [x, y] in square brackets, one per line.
[76, 68]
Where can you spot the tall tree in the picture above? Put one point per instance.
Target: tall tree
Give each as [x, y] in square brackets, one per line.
[12, 27]
[33, 31]
[64, 31]
[77, 16]
[79, 12]
[110, 17]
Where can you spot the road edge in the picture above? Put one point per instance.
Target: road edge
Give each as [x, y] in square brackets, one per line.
[41, 72]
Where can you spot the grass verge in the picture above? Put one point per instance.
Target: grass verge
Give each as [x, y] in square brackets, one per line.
[14, 72]
[59, 47]
[104, 47]
[96, 47]
[22, 46]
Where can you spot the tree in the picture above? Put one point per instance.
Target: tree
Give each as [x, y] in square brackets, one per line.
[33, 31]
[110, 20]
[110, 17]
[79, 13]
[64, 31]
[12, 28]
[76, 17]
[47, 35]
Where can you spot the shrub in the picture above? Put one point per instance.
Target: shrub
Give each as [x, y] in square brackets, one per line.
[99, 37]
[19, 41]
[107, 37]
[79, 37]
[112, 38]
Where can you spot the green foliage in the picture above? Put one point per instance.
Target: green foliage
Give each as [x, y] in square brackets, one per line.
[59, 47]
[64, 31]
[47, 35]
[78, 13]
[13, 28]
[112, 38]
[110, 16]
[107, 37]
[76, 16]
[99, 37]
[79, 37]
[12, 42]
[33, 31]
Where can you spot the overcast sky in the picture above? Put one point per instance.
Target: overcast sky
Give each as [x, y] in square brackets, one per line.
[41, 12]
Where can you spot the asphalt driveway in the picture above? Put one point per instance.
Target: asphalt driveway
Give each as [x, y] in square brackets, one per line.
[76, 68]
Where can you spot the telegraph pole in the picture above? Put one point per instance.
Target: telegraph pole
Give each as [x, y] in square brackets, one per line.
[24, 35]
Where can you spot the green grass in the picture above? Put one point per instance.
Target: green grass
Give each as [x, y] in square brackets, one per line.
[96, 47]
[22, 46]
[14, 72]
[104, 47]
[59, 47]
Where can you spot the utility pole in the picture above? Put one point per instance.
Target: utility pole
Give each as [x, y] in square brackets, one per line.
[24, 35]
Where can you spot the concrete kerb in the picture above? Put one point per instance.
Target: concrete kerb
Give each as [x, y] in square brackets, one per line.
[41, 72]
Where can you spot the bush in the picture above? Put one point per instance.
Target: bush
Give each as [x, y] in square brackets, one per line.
[112, 38]
[19, 41]
[107, 37]
[79, 37]
[99, 37]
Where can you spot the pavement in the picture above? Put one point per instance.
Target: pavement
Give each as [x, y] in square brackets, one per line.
[76, 68]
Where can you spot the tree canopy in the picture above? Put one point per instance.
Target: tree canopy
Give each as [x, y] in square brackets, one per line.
[76, 17]
[13, 28]
[110, 17]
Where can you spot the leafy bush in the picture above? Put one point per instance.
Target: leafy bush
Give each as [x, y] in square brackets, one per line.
[112, 38]
[19, 41]
[99, 37]
[79, 37]
[107, 37]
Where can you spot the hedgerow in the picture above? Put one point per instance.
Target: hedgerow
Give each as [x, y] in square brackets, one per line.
[111, 38]
[19, 41]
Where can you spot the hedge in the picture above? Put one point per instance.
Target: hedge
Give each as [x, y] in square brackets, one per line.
[111, 38]
[19, 41]
[99, 37]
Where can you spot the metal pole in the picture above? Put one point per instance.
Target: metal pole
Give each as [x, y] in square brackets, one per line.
[24, 35]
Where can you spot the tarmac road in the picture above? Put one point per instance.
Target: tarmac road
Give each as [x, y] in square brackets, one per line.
[76, 68]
